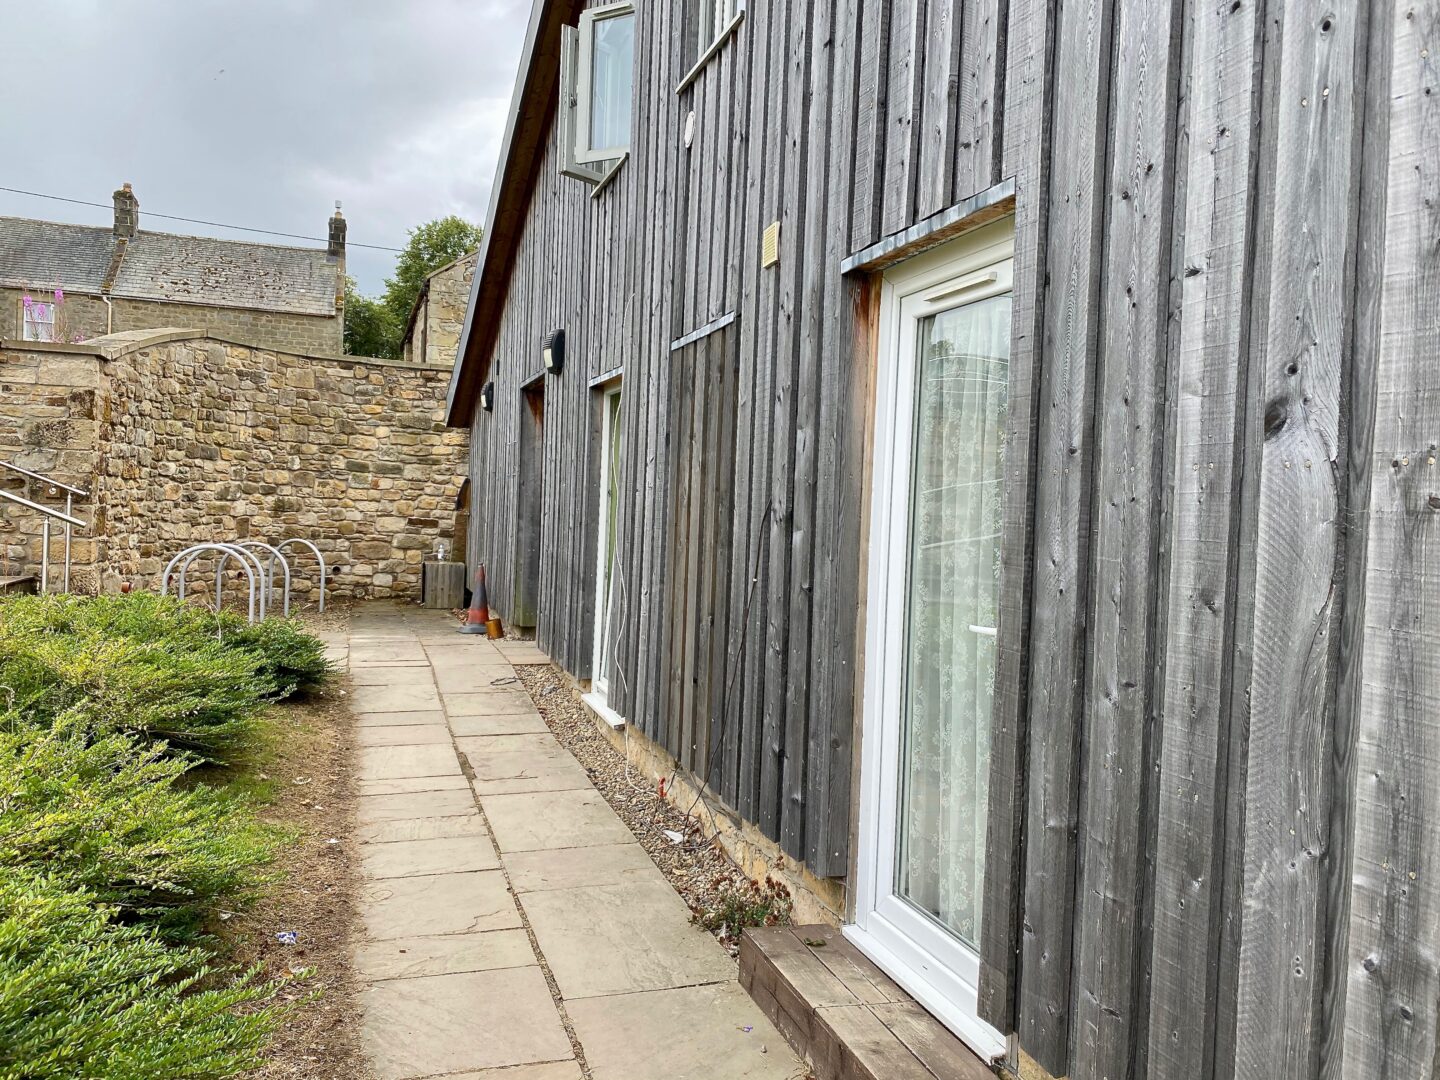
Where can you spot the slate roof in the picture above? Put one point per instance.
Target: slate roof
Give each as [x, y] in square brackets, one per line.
[46, 254]
[167, 267]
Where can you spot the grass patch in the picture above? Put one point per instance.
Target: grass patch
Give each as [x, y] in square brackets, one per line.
[130, 729]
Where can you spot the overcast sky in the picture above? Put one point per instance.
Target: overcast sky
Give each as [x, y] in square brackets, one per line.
[262, 112]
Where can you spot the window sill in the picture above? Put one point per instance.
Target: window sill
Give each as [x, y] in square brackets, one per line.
[715, 46]
[598, 704]
[610, 174]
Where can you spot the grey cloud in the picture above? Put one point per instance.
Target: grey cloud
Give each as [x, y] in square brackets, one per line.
[264, 112]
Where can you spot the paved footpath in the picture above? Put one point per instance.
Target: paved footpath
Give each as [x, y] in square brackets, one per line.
[512, 928]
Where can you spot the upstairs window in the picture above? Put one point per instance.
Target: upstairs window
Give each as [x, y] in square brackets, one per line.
[38, 320]
[713, 19]
[596, 90]
[708, 25]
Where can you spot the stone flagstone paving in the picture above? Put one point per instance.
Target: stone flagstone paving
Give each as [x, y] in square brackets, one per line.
[511, 927]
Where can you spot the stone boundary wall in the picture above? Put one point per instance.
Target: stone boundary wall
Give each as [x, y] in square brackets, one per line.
[50, 402]
[191, 437]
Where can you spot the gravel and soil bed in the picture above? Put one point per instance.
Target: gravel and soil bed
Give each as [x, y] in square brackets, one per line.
[722, 898]
[312, 788]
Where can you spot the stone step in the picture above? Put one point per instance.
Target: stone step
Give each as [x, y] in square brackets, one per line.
[843, 1015]
[19, 583]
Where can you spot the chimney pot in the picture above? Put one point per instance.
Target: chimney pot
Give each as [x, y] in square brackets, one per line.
[127, 213]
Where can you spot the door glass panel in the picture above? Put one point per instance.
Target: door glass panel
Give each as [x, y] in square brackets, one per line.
[952, 588]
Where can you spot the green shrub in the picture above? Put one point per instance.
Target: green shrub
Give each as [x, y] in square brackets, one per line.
[151, 665]
[202, 698]
[116, 819]
[290, 659]
[83, 995]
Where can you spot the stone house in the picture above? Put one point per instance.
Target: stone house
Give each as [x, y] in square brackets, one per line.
[124, 278]
[432, 333]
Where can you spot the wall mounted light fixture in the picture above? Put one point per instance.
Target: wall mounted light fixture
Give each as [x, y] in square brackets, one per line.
[487, 397]
[553, 352]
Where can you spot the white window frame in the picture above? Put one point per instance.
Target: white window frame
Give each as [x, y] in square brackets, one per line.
[599, 696]
[28, 325]
[940, 972]
[714, 19]
[585, 154]
[715, 22]
[570, 111]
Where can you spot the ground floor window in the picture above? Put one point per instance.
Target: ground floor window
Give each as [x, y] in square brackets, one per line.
[606, 580]
[37, 320]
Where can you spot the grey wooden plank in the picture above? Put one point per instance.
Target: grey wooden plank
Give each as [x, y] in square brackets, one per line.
[1028, 105]
[1192, 804]
[981, 87]
[701, 500]
[763, 789]
[1390, 1006]
[939, 104]
[739, 282]
[657, 489]
[1065, 463]
[1298, 542]
[781, 742]
[906, 58]
[801, 738]
[871, 124]
[835, 544]
[1124, 649]
[750, 472]
[738, 785]
[633, 535]
[720, 548]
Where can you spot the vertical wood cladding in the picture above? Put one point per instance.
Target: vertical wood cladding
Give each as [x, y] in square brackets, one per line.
[1217, 703]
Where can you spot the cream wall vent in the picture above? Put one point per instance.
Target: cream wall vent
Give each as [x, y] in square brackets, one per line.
[770, 245]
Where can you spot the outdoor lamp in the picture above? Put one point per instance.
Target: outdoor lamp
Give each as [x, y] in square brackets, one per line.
[553, 352]
[487, 397]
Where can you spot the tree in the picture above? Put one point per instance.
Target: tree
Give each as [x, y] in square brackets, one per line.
[369, 329]
[431, 246]
[375, 326]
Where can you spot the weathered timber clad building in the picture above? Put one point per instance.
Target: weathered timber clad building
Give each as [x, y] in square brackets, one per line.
[991, 444]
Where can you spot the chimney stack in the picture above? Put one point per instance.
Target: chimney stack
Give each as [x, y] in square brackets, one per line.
[337, 235]
[127, 213]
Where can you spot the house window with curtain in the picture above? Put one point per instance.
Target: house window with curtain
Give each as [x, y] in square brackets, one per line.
[37, 320]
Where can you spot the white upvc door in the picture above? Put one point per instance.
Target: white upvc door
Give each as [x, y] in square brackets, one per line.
[605, 543]
[933, 588]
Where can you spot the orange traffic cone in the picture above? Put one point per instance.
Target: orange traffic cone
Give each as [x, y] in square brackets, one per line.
[479, 613]
[478, 620]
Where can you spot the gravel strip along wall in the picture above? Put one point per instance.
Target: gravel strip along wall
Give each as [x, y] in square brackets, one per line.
[717, 855]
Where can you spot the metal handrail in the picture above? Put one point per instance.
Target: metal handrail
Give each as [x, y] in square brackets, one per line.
[70, 522]
[41, 508]
[43, 478]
